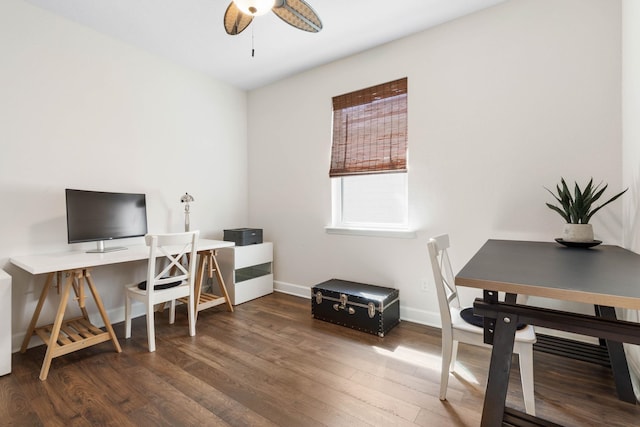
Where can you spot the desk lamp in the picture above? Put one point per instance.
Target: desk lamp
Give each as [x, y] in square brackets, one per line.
[186, 199]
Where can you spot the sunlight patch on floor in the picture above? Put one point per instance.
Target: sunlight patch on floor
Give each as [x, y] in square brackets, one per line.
[425, 360]
[414, 357]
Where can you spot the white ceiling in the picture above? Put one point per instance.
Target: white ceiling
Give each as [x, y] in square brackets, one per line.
[190, 32]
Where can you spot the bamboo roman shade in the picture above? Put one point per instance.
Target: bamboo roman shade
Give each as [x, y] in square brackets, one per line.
[370, 130]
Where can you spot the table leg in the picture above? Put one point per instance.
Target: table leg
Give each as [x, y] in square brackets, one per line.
[618, 360]
[78, 289]
[489, 323]
[36, 314]
[498, 380]
[220, 280]
[55, 330]
[511, 298]
[101, 309]
[206, 300]
[65, 336]
[202, 260]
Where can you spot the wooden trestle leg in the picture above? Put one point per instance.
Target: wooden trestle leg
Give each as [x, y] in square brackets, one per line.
[36, 313]
[103, 312]
[65, 336]
[207, 260]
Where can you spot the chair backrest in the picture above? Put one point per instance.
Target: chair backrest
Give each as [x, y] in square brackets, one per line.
[443, 277]
[171, 248]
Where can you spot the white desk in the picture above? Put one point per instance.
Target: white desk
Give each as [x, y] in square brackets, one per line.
[65, 336]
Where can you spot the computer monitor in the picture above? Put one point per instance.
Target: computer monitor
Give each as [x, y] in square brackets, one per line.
[97, 216]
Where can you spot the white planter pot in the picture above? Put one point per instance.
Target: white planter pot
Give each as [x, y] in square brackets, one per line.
[577, 233]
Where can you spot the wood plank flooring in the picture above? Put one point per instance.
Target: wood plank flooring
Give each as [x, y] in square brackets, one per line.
[271, 364]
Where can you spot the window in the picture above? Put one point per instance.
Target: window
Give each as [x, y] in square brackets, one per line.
[369, 158]
[371, 201]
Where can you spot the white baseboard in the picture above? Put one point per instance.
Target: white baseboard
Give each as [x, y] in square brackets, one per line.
[423, 317]
[292, 289]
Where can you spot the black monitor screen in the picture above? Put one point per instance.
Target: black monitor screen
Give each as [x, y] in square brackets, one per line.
[96, 216]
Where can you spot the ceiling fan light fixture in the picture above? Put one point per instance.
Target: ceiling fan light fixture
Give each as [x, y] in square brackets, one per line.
[297, 13]
[254, 7]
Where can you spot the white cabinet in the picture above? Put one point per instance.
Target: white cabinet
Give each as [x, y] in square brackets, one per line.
[5, 323]
[247, 271]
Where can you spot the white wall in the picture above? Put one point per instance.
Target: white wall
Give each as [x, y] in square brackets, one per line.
[81, 110]
[501, 104]
[631, 124]
[631, 147]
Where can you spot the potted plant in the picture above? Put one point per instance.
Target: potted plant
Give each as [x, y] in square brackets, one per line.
[577, 209]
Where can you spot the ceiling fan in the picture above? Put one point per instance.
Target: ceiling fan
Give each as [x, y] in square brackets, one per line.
[296, 13]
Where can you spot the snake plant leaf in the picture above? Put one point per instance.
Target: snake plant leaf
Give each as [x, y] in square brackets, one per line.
[564, 202]
[597, 195]
[577, 207]
[556, 197]
[560, 211]
[605, 204]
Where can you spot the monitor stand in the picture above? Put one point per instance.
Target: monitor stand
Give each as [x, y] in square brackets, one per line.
[100, 249]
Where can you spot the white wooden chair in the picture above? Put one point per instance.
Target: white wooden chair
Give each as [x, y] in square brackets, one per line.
[170, 283]
[455, 329]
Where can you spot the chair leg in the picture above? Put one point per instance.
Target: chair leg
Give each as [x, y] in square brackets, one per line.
[172, 312]
[191, 308]
[526, 376]
[454, 356]
[447, 348]
[127, 315]
[151, 331]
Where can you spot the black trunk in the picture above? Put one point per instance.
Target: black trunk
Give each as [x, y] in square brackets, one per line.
[367, 308]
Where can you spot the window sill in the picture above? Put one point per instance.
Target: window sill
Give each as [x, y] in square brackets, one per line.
[399, 234]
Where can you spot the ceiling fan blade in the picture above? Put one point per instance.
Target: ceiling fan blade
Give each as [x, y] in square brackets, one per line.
[235, 21]
[298, 14]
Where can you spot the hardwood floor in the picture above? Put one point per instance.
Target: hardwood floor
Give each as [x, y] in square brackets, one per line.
[271, 364]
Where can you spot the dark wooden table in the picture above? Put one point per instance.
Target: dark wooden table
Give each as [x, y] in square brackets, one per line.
[605, 276]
